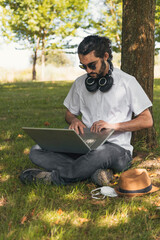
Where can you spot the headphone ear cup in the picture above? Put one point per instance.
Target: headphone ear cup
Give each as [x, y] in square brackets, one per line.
[105, 83]
[91, 84]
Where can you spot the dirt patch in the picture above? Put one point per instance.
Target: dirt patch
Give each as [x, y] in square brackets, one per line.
[149, 162]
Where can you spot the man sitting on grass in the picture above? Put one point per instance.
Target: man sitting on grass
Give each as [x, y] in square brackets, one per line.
[105, 97]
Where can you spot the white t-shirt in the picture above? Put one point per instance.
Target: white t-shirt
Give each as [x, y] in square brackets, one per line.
[125, 97]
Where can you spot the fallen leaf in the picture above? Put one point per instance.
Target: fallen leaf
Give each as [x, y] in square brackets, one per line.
[60, 212]
[116, 176]
[115, 183]
[142, 209]
[32, 213]
[46, 123]
[99, 202]
[9, 225]
[153, 175]
[57, 221]
[20, 136]
[83, 220]
[3, 201]
[23, 220]
[157, 203]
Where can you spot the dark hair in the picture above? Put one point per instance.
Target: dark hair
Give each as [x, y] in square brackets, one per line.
[95, 43]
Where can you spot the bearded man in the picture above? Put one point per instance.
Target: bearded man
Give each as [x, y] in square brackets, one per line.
[105, 97]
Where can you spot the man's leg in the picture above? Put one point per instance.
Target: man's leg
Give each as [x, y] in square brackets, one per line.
[66, 168]
[51, 160]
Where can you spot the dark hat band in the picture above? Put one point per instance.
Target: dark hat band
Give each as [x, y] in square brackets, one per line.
[144, 190]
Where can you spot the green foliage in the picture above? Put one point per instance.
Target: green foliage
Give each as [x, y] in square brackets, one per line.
[109, 22]
[113, 21]
[157, 21]
[53, 20]
[41, 23]
[156, 104]
[30, 20]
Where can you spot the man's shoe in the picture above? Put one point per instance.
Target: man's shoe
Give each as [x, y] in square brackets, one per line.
[35, 175]
[102, 177]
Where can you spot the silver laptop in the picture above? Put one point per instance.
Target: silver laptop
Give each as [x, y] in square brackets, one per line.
[67, 140]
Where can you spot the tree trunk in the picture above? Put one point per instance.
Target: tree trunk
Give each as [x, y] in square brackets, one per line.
[43, 59]
[34, 65]
[34, 74]
[137, 56]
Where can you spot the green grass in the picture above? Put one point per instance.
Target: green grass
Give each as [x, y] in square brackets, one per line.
[51, 212]
[156, 108]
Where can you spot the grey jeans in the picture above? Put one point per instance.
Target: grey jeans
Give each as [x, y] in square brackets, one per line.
[68, 168]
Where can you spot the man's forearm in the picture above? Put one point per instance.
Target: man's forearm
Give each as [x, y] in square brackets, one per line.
[144, 120]
[131, 126]
[69, 117]
[74, 122]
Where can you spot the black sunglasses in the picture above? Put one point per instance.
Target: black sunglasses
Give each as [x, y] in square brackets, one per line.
[91, 65]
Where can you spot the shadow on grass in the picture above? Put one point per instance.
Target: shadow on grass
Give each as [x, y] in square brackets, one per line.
[41, 212]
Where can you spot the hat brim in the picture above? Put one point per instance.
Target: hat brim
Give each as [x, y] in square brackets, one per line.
[154, 189]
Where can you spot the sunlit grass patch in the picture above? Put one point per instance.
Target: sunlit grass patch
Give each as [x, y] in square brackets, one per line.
[4, 177]
[32, 197]
[55, 217]
[26, 151]
[4, 147]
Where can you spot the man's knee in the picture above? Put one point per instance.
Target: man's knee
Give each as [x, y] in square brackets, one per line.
[123, 162]
[34, 152]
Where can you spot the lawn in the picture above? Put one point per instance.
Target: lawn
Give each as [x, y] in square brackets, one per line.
[49, 212]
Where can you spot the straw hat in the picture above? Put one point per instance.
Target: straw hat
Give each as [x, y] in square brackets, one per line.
[135, 182]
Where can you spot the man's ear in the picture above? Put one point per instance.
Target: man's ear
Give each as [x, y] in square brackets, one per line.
[106, 56]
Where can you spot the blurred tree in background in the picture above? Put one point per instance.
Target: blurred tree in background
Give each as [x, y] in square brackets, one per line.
[41, 23]
[157, 24]
[109, 22]
[51, 24]
[55, 57]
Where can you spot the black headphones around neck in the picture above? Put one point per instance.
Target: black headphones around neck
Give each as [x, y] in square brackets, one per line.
[103, 83]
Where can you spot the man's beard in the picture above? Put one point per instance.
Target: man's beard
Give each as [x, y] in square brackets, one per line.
[101, 71]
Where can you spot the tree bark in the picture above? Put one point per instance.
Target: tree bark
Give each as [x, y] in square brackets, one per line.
[137, 56]
[34, 65]
[34, 74]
